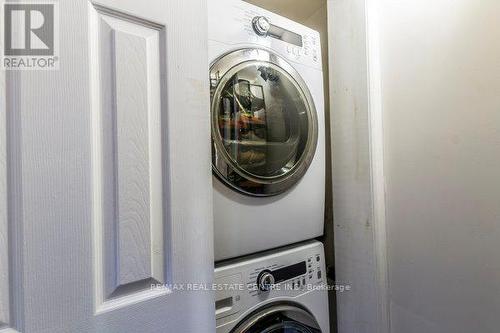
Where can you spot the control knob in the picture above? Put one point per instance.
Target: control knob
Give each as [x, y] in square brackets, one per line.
[261, 25]
[265, 281]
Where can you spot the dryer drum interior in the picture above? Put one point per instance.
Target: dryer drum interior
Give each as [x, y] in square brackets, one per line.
[279, 318]
[264, 123]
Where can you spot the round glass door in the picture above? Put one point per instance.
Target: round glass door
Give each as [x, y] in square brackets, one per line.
[279, 319]
[264, 124]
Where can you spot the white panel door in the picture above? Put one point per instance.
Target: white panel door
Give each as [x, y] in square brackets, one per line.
[105, 175]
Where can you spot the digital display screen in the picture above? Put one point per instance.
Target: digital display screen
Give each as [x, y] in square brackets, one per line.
[289, 272]
[285, 35]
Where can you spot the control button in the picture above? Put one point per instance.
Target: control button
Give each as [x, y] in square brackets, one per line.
[265, 281]
[304, 282]
[309, 260]
[298, 284]
[261, 25]
[319, 275]
[317, 258]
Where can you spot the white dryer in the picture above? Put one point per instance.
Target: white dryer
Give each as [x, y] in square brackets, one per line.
[268, 140]
[281, 291]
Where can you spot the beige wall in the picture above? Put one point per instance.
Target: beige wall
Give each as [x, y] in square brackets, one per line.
[440, 71]
[437, 64]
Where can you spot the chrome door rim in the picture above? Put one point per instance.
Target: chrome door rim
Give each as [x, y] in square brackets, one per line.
[220, 72]
[261, 314]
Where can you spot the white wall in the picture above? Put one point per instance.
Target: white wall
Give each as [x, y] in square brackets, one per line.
[425, 76]
[440, 79]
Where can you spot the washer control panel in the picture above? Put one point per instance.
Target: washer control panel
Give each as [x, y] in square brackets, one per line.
[288, 273]
[300, 276]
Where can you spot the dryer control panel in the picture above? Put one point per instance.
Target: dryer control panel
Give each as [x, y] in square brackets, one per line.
[297, 45]
[239, 23]
[291, 272]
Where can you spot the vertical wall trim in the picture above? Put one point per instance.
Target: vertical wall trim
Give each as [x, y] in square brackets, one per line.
[358, 166]
[4, 225]
[10, 223]
[376, 136]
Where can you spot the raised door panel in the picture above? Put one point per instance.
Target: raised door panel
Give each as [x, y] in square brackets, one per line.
[128, 113]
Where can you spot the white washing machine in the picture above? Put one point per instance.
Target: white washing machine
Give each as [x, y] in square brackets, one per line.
[268, 140]
[282, 291]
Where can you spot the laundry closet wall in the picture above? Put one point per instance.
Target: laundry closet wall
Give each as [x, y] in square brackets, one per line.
[425, 76]
[440, 71]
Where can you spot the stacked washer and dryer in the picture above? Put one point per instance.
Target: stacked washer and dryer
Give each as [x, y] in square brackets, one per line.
[268, 159]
